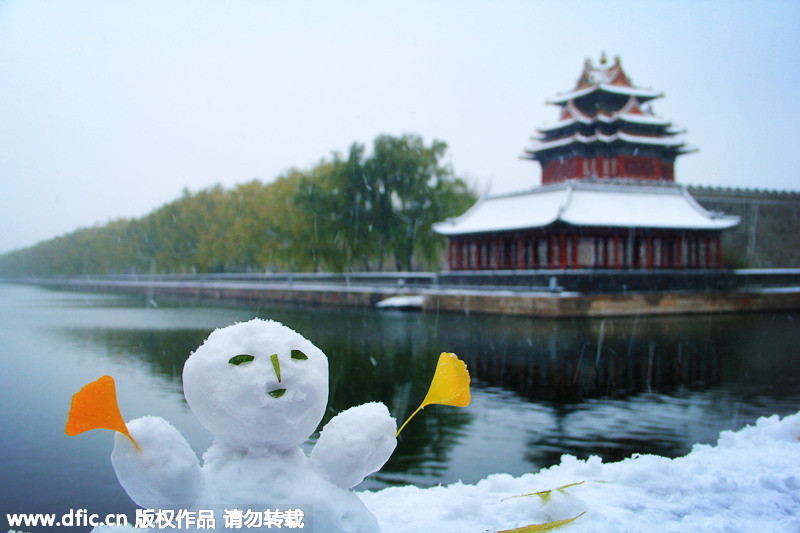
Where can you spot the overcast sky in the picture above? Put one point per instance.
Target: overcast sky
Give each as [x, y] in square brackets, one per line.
[110, 109]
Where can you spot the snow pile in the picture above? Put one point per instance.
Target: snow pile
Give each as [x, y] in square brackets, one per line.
[408, 301]
[749, 481]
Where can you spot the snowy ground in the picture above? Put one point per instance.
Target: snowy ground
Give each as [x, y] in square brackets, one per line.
[748, 481]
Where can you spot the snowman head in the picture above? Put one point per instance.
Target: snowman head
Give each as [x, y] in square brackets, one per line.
[257, 384]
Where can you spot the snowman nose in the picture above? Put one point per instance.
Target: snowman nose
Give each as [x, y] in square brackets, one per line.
[276, 365]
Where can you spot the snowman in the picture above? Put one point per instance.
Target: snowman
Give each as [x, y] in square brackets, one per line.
[261, 389]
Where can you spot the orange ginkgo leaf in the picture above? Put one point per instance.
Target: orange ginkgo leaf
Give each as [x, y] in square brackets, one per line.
[450, 385]
[94, 407]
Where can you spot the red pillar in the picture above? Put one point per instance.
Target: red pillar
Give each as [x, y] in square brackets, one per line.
[520, 253]
[689, 252]
[616, 252]
[562, 251]
[575, 251]
[669, 251]
[497, 254]
[450, 255]
[697, 240]
[649, 254]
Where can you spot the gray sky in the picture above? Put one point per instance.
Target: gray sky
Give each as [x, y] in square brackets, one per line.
[110, 109]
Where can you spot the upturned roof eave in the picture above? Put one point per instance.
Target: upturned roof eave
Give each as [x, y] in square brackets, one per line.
[621, 137]
[611, 119]
[642, 94]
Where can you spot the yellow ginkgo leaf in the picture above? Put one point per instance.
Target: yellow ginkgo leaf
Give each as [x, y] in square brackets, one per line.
[95, 407]
[545, 494]
[547, 526]
[450, 385]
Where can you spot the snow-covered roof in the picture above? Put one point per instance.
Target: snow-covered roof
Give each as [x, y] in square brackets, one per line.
[596, 204]
[641, 94]
[642, 119]
[607, 139]
[651, 120]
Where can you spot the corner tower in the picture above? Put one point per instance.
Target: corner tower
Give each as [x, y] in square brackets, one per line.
[607, 129]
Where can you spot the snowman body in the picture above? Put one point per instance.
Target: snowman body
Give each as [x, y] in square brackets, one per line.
[261, 389]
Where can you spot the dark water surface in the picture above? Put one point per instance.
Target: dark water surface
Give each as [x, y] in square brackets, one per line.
[540, 387]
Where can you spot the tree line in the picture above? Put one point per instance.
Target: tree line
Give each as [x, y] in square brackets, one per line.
[358, 211]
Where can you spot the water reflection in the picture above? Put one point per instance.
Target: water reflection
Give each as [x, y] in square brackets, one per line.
[573, 361]
[541, 387]
[163, 351]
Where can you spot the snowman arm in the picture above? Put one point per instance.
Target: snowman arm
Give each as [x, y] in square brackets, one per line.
[354, 444]
[164, 472]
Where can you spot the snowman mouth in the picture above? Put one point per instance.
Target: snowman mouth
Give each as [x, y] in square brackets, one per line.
[277, 393]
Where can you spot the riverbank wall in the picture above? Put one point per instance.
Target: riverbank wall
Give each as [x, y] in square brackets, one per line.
[542, 294]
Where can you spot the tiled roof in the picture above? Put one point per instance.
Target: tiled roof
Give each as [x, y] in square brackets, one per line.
[595, 204]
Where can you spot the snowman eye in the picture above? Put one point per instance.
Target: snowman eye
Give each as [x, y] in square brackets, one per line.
[300, 356]
[241, 358]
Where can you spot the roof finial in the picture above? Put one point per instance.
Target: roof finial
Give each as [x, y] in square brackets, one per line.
[603, 58]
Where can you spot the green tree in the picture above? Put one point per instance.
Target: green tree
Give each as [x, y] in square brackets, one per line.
[332, 202]
[411, 189]
[383, 206]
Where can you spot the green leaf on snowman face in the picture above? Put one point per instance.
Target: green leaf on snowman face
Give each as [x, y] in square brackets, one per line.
[241, 358]
[300, 356]
[277, 393]
[276, 366]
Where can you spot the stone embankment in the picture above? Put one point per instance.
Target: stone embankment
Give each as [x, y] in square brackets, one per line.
[743, 291]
